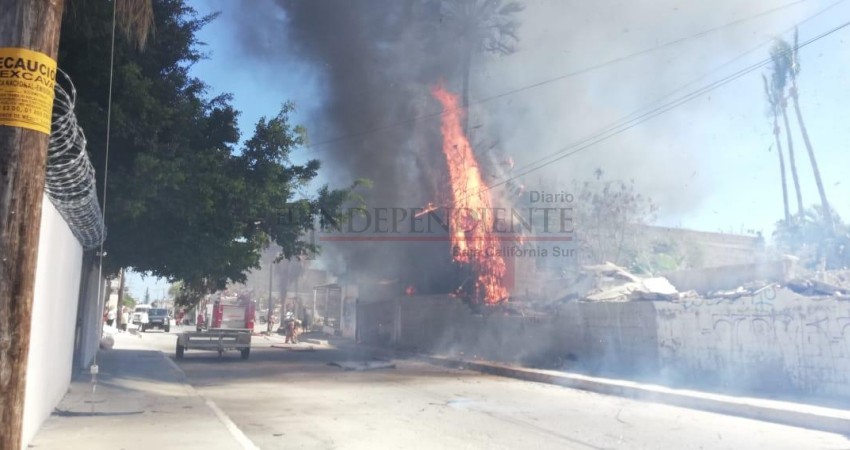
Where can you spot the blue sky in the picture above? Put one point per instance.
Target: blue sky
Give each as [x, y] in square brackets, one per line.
[706, 163]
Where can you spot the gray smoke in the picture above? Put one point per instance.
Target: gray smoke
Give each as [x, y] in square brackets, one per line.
[375, 69]
[377, 60]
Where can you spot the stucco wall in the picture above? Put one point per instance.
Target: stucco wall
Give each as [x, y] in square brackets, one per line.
[57, 287]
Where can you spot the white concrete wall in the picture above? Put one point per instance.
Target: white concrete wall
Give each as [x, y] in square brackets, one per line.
[776, 340]
[89, 314]
[57, 289]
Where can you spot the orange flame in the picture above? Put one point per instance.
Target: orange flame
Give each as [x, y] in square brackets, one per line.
[472, 230]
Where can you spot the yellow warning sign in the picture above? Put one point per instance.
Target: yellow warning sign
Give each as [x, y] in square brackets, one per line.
[26, 89]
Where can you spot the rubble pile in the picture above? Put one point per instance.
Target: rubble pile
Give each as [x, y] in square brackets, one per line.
[609, 282]
[612, 283]
[747, 290]
[816, 287]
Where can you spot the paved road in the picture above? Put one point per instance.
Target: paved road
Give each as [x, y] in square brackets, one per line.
[294, 399]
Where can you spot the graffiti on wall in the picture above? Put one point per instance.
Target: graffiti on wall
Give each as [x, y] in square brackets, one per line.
[773, 336]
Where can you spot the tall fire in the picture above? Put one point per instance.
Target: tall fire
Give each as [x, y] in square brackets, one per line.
[472, 238]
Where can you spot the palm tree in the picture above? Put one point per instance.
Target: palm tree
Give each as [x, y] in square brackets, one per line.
[794, 70]
[135, 18]
[481, 26]
[773, 100]
[780, 53]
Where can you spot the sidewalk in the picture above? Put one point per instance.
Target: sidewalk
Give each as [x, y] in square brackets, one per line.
[141, 401]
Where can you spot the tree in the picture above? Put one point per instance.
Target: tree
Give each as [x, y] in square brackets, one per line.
[174, 289]
[478, 26]
[147, 299]
[793, 72]
[129, 301]
[190, 204]
[607, 221]
[774, 99]
[817, 246]
[780, 54]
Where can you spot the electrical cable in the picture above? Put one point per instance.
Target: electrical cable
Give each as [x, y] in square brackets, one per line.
[618, 128]
[100, 282]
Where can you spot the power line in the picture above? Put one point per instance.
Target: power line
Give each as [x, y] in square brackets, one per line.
[574, 73]
[669, 94]
[626, 125]
[727, 63]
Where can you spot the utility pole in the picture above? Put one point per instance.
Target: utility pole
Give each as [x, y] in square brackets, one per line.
[29, 42]
[271, 305]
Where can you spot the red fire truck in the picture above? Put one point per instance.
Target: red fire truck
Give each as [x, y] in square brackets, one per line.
[230, 323]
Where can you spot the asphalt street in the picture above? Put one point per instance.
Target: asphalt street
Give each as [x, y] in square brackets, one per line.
[298, 397]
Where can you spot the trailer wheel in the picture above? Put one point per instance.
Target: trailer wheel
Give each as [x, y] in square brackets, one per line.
[246, 352]
[180, 350]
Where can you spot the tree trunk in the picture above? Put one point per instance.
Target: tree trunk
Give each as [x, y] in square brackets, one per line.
[120, 304]
[827, 211]
[793, 162]
[32, 25]
[781, 169]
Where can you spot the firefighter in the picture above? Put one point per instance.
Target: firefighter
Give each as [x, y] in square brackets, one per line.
[290, 325]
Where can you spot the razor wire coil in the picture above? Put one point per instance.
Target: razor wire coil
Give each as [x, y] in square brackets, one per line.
[70, 178]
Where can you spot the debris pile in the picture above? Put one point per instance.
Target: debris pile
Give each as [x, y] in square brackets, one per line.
[747, 290]
[815, 287]
[611, 283]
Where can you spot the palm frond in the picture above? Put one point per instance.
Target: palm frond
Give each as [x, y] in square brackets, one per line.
[136, 19]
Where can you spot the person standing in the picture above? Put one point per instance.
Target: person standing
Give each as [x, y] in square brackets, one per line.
[291, 328]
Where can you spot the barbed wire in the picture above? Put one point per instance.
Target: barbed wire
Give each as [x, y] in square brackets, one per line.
[70, 179]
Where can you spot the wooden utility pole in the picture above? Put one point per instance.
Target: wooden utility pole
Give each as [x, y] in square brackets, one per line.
[29, 42]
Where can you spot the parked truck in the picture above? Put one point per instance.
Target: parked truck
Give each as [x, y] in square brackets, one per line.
[230, 323]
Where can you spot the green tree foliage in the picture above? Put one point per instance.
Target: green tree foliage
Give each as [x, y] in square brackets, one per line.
[129, 301]
[811, 239]
[780, 54]
[184, 201]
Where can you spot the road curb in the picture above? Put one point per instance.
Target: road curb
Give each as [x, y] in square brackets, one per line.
[802, 415]
[787, 413]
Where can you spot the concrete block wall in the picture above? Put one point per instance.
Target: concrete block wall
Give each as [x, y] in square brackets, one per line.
[597, 336]
[613, 337]
[776, 340]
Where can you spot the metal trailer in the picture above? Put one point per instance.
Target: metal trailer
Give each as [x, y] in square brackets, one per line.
[220, 340]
